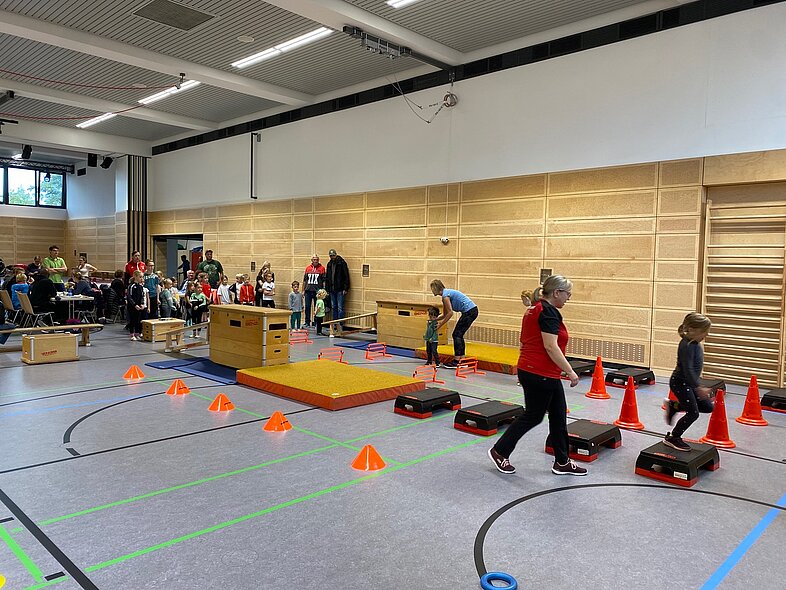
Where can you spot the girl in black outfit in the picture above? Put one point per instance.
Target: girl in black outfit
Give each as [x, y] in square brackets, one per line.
[684, 382]
[136, 305]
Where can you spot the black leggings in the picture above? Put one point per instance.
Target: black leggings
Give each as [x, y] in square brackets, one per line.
[541, 395]
[432, 354]
[465, 321]
[689, 403]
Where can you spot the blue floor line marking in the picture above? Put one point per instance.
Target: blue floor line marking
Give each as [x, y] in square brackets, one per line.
[736, 556]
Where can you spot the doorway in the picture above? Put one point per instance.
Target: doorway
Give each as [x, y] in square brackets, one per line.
[168, 253]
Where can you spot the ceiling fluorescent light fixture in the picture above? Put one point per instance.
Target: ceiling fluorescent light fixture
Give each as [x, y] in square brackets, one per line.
[169, 92]
[314, 35]
[399, 3]
[94, 120]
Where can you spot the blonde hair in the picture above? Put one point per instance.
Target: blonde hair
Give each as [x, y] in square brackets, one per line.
[526, 295]
[437, 286]
[694, 321]
[137, 274]
[551, 284]
[321, 294]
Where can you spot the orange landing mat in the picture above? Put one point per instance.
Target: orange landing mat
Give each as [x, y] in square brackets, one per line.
[497, 359]
[327, 384]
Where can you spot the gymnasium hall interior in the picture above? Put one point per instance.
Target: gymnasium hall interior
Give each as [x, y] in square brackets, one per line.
[636, 148]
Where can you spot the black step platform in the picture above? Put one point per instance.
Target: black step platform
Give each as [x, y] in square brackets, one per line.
[582, 367]
[663, 463]
[640, 376]
[585, 437]
[774, 400]
[713, 384]
[420, 404]
[485, 418]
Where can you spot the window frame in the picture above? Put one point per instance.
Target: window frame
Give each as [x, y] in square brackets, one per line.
[5, 196]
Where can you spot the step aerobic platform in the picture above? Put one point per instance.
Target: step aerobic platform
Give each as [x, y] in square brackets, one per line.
[484, 419]
[713, 384]
[681, 468]
[421, 404]
[497, 359]
[582, 367]
[641, 376]
[585, 437]
[327, 384]
[774, 400]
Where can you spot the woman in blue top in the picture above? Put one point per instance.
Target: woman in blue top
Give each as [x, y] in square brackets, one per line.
[453, 300]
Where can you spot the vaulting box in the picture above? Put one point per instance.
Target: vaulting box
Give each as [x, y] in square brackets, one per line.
[156, 330]
[242, 336]
[403, 323]
[49, 348]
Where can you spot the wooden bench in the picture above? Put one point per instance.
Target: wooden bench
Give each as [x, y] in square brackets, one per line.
[335, 325]
[177, 336]
[84, 328]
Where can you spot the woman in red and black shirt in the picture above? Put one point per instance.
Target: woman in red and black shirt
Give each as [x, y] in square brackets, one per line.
[541, 364]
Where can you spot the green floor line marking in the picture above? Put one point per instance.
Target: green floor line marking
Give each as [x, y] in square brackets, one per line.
[17, 550]
[101, 385]
[277, 507]
[249, 412]
[180, 486]
[395, 428]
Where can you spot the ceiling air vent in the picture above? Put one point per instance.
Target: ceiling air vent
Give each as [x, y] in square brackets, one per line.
[173, 14]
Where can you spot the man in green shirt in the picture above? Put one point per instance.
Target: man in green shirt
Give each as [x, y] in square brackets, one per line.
[55, 267]
[213, 269]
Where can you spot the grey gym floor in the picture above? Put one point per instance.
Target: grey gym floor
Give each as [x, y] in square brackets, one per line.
[151, 491]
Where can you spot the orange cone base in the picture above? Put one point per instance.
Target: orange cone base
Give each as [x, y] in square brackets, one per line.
[723, 444]
[134, 372]
[629, 425]
[752, 421]
[368, 460]
[221, 404]
[597, 395]
[277, 423]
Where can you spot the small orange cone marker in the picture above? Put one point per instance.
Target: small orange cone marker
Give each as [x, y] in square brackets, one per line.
[598, 387]
[629, 413]
[134, 372]
[751, 413]
[277, 423]
[178, 388]
[221, 404]
[368, 460]
[718, 428]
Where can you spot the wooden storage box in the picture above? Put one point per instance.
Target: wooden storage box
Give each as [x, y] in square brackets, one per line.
[243, 337]
[403, 323]
[49, 348]
[155, 330]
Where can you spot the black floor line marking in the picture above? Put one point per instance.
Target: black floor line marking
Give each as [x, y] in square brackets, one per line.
[69, 566]
[54, 576]
[74, 452]
[148, 442]
[9, 519]
[480, 538]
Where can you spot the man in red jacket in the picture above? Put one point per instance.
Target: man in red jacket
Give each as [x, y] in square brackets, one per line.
[313, 281]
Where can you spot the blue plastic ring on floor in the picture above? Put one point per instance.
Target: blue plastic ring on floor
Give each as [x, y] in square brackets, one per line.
[485, 581]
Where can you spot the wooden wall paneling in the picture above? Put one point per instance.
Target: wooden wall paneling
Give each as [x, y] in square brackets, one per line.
[619, 247]
[636, 176]
[501, 248]
[340, 203]
[601, 270]
[284, 207]
[680, 201]
[603, 205]
[504, 188]
[747, 168]
[681, 172]
[630, 226]
[518, 229]
[502, 211]
[405, 197]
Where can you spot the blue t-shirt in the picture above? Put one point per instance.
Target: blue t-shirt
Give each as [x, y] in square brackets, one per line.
[458, 301]
[18, 288]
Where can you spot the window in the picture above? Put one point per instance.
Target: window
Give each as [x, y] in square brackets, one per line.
[32, 188]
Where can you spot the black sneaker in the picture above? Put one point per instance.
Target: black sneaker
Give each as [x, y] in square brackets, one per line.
[450, 365]
[503, 465]
[570, 468]
[676, 442]
[671, 409]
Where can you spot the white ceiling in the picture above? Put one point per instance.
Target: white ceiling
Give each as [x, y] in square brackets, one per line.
[53, 54]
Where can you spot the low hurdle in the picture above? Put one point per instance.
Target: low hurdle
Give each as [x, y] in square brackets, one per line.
[377, 350]
[427, 373]
[468, 366]
[336, 330]
[332, 353]
[299, 337]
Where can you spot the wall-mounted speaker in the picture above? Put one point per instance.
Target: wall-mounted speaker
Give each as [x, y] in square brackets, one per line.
[92, 160]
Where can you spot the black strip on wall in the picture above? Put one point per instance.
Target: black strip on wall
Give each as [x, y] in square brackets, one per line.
[671, 18]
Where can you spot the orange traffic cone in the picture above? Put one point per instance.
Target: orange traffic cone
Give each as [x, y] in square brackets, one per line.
[718, 428]
[672, 398]
[629, 413]
[134, 372]
[751, 413]
[277, 423]
[598, 387]
[368, 460]
[178, 388]
[221, 404]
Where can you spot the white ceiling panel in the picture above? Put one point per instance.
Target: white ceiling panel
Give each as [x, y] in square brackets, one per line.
[468, 25]
[213, 104]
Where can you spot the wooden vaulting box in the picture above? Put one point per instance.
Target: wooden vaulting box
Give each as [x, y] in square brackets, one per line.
[156, 330]
[242, 336]
[403, 323]
[49, 348]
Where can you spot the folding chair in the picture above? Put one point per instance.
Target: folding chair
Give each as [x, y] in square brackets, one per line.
[31, 318]
[13, 314]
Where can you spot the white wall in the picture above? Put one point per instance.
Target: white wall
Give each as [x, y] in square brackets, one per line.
[35, 212]
[711, 88]
[121, 184]
[92, 195]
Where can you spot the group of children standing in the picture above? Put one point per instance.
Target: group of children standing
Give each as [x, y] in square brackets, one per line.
[296, 307]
